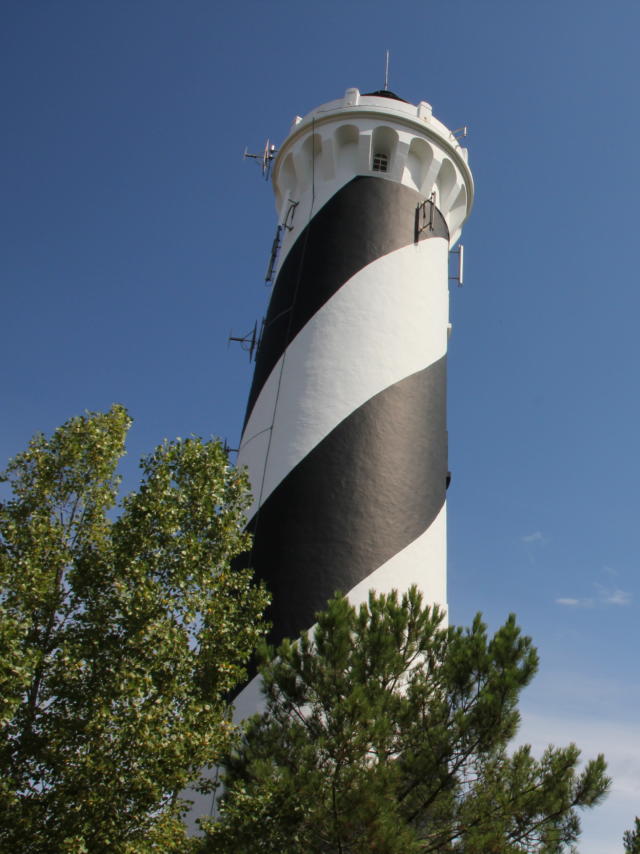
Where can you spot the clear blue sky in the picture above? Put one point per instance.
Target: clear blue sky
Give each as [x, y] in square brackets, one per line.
[134, 238]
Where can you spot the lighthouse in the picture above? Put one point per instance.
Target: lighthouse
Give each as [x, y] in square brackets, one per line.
[345, 435]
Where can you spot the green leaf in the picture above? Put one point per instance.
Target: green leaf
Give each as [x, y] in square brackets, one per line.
[121, 634]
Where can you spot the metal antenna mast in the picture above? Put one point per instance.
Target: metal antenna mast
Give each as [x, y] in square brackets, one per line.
[265, 159]
[386, 71]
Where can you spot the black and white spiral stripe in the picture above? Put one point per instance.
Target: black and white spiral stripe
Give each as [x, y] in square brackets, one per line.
[345, 432]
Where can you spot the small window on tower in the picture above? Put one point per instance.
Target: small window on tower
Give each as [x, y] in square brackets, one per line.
[380, 162]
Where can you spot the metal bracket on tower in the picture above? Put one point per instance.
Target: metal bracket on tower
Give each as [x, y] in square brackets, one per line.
[265, 159]
[288, 220]
[277, 240]
[425, 214]
[248, 342]
[460, 253]
[275, 248]
[460, 133]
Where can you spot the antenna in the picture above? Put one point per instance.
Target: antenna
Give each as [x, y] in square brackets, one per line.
[460, 132]
[265, 159]
[386, 71]
[248, 342]
[227, 449]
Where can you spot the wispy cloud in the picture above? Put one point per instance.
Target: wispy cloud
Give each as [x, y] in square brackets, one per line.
[531, 544]
[575, 603]
[605, 596]
[614, 597]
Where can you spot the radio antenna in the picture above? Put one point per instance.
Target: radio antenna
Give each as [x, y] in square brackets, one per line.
[265, 159]
[386, 71]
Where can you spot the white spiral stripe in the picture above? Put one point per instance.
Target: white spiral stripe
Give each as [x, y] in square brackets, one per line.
[397, 306]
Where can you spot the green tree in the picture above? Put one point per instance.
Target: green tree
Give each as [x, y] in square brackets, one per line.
[631, 839]
[119, 638]
[385, 732]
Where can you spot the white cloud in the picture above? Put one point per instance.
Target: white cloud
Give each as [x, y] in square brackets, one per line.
[536, 537]
[575, 603]
[605, 596]
[613, 596]
[618, 597]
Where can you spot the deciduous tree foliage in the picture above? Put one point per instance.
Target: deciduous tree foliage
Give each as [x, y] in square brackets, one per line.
[385, 732]
[118, 639]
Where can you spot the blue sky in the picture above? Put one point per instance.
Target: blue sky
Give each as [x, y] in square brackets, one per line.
[134, 238]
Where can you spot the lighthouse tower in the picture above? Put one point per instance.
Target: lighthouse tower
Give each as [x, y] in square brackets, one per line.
[345, 436]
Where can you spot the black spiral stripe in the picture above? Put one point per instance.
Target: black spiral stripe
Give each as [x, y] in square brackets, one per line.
[364, 493]
[366, 219]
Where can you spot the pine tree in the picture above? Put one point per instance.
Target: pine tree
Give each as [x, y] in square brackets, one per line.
[385, 732]
[631, 839]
